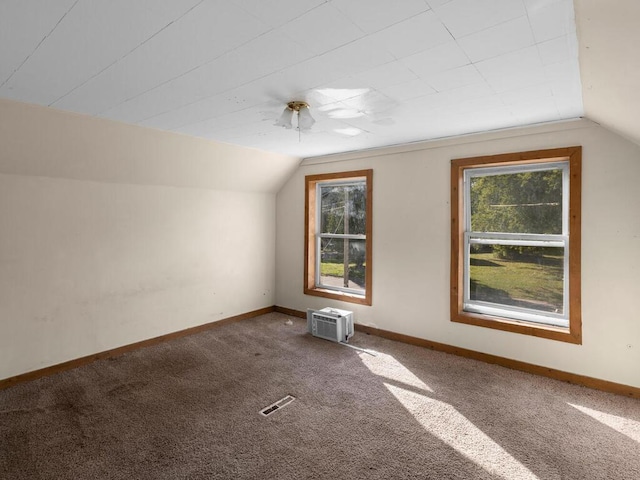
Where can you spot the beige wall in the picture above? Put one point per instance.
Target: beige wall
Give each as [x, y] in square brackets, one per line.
[47, 142]
[411, 252]
[111, 234]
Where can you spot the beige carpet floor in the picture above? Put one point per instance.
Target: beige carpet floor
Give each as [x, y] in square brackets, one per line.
[188, 409]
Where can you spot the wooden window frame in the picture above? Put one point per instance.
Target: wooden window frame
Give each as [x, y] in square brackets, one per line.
[572, 155]
[310, 288]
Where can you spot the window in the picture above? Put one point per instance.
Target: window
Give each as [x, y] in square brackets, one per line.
[338, 236]
[515, 257]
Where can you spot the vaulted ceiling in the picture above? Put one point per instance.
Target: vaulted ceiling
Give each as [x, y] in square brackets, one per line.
[374, 72]
[610, 63]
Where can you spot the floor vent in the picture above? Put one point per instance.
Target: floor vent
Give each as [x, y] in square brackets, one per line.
[266, 411]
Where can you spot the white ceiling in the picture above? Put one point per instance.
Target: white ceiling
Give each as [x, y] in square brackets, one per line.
[375, 72]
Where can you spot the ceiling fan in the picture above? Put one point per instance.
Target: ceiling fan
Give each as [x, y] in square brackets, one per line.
[301, 109]
[350, 109]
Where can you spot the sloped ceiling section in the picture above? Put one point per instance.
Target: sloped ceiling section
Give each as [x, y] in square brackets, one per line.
[609, 34]
[42, 141]
[375, 72]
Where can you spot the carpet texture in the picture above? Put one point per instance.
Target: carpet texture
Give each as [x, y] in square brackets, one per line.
[188, 409]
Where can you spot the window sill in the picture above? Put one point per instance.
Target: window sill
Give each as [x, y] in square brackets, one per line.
[517, 326]
[337, 295]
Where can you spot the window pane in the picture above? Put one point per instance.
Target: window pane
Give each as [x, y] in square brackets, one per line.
[525, 277]
[335, 255]
[529, 202]
[343, 209]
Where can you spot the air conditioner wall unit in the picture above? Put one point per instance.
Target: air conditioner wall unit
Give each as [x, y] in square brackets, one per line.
[330, 323]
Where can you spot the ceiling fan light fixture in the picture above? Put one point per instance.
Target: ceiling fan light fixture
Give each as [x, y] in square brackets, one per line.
[285, 119]
[305, 120]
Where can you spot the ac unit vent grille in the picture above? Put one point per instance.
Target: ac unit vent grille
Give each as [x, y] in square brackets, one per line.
[326, 327]
[330, 324]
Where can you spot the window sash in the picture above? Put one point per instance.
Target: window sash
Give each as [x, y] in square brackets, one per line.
[509, 311]
[342, 236]
[516, 239]
[515, 169]
[516, 313]
[331, 184]
[319, 263]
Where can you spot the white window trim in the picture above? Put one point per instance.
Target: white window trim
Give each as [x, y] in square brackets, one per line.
[341, 236]
[517, 239]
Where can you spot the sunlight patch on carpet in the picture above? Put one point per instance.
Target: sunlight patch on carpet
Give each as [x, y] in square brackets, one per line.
[626, 426]
[454, 429]
[387, 366]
